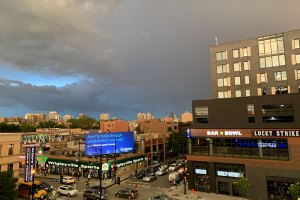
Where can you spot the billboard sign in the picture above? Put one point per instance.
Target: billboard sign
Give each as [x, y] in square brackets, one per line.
[109, 143]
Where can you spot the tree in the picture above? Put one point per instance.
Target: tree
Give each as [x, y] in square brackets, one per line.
[242, 185]
[294, 190]
[50, 124]
[177, 143]
[85, 123]
[7, 186]
[27, 128]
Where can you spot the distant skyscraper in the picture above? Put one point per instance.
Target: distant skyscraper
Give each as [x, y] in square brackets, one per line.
[148, 116]
[67, 117]
[52, 115]
[141, 116]
[104, 116]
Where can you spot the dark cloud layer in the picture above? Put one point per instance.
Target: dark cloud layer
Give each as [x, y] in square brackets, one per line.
[135, 56]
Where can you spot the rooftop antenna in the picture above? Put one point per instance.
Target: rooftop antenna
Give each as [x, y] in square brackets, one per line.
[216, 39]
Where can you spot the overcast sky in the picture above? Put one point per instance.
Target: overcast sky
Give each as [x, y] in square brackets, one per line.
[121, 57]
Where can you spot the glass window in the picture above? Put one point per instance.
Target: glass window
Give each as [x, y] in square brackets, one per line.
[278, 113]
[224, 94]
[222, 82]
[247, 93]
[280, 45]
[221, 69]
[261, 48]
[275, 61]
[247, 79]
[297, 58]
[235, 53]
[237, 67]
[280, 76]
[268, 61]
[298, 74]
[263, 78]
[221, 55]
[296, 43]
[247, 65]
[237, 80]
[281, 90]
[10, 149]
[267, 47]
[262, 62]
[238, 93]
[250, 108]
[201, 110]
[245, 52]
[281, 60]
[263, 91]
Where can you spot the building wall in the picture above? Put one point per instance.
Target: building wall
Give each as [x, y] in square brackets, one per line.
[153, 126]
[115, 125]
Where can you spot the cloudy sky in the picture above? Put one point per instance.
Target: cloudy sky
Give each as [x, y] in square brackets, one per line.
[121, 57]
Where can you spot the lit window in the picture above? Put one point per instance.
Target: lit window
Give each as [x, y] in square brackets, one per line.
[221, 55]
[267, 46]
[10, 149]
[247, 65]
[222, 82]
[247, 80]
[296, 44]
[224, 94]
[237, 67]
[297, 74]
[272, 61]
[245, 52]
[247, 93]
[297, 56]
[235, 53]
[263, 78]
[250, 108]
[238, 93]
[237, 80]
[280, 76]
[222, 69]
[281, 90]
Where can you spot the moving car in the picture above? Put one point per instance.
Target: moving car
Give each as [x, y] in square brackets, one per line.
[150, 177]
[128, 193]
[46, 186]
[173, 167]
[161, 172]
[67, 190]
[98, 188]
[94, 194]
[142, 173]
[67, 180]
[161, 197]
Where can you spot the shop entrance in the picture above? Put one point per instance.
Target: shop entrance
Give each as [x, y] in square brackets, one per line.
[202, 184]
[223, 187]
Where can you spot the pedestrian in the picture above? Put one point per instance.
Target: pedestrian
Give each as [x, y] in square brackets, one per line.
[136, 189]
[193, 194]
[87, 184]
[89, 177]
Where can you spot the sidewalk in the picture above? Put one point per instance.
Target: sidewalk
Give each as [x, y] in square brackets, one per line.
[177, 192]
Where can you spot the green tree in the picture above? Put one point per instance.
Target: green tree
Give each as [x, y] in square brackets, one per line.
[85, 123]
[177, 143]
[294, 190]
[7, 186]
[50, 124]
[242, 185]
[11, 128]
[27, 128]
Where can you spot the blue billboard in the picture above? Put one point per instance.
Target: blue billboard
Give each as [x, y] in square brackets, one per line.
[109, 143]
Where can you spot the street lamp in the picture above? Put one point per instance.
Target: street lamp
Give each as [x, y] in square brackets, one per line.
[32, 187]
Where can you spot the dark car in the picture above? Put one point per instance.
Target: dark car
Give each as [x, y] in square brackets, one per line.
[98, 188]
[46, 186]
[142, 173]
[94, 194]
[127, 193]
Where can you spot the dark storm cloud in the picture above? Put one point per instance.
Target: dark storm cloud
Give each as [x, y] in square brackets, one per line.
[136, 56]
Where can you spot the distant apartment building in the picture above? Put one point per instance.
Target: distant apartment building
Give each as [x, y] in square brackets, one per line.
[186, 117]
[67, 117]
[104, 116]
[41, 117]
[266, 65]
[153, 126]
[52, 115]
[10, 152]
[114, 125]
[31, 118]
[3, 120]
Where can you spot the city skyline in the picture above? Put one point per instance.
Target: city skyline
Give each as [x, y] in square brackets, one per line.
[96, 57]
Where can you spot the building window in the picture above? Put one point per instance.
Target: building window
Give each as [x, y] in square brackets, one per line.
[235, 53]
[201, 114]
[246, 51]
[223, 82]
[247, 93]
[281, 90]
[297, 56]
[247, 79]
[280, 76]
[274, 113]
[263, 78]
[221, 55]
[263, 91]
[246, 65]
[237, 67]
[269, 46]
[296, 43]
[224, 94]
[272, 61]
[238, 93]
[250, 109]
[222, 69]
[10, 167]
[297, 74]
[10, 149]
[237, 80]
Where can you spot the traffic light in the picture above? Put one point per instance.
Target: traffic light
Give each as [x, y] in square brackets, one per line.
[118, 180]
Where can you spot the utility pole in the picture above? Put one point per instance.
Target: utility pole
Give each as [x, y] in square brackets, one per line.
[100, 156]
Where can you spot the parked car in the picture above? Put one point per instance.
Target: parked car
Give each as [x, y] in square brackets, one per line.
[161, 172]
[150, 177]
[161, 197]
[67, 190]
[98, 188]
[47, 186]
[67, 180]
[94, 194]
[173, 167]
[128, 193]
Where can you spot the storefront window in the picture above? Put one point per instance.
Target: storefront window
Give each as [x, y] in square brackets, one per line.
[200, 146]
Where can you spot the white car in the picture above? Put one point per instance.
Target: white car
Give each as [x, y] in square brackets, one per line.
[68, 180]
[67, 190]
[150, 177]
[173, 167]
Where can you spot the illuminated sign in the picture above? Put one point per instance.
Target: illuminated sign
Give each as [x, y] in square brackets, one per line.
[276, 133]
[224, 133]
[229, 174]
[200, 171]
[267, 144]
[27, 164]
[109, 143]
[188, 133]
[32, 161]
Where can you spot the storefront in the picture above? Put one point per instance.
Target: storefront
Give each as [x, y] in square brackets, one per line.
[71, 167]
